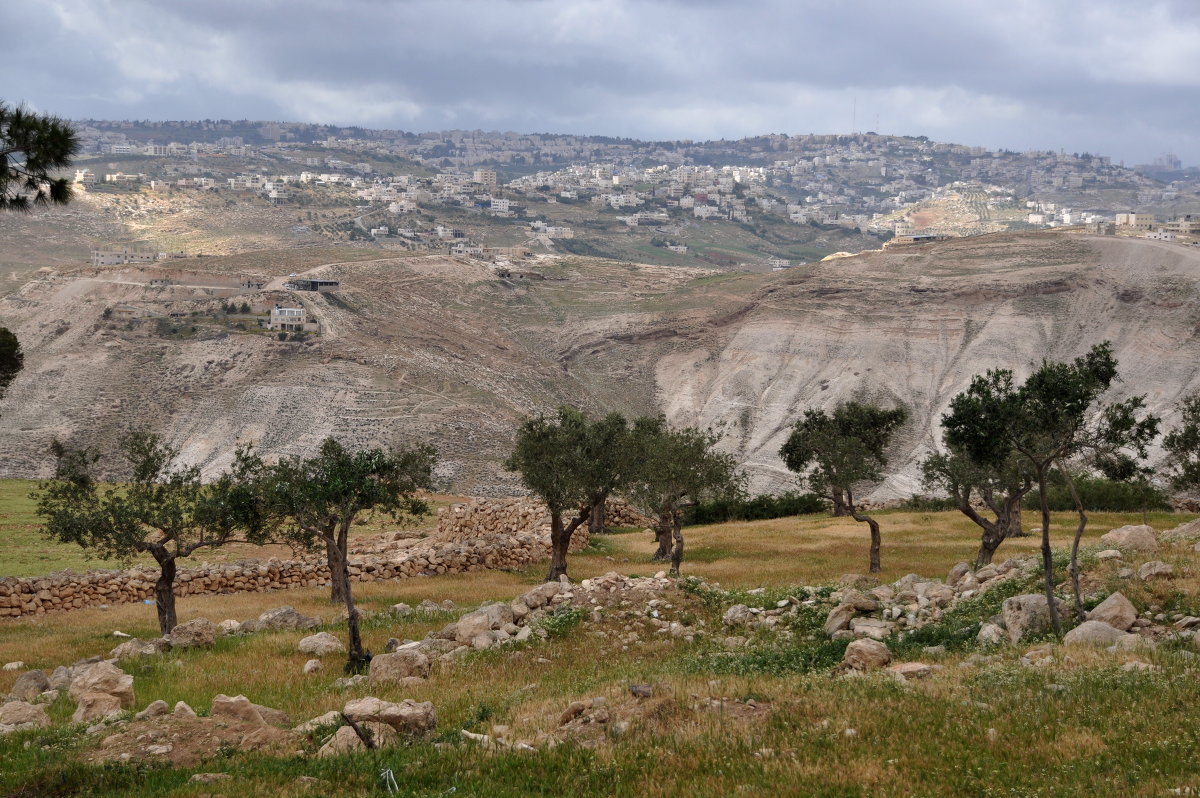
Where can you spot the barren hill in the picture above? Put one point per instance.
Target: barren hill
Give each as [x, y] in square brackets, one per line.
[443, 349]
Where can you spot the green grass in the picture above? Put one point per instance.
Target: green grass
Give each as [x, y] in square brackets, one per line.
[965, 731]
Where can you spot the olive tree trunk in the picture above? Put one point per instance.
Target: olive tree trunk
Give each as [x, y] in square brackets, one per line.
[662, 536]
[560, 541]
[1047, 555]
[164, 591]
[1083, 519]
[677, 551]
[356, 658]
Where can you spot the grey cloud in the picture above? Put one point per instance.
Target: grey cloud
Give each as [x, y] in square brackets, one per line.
[1017, 74]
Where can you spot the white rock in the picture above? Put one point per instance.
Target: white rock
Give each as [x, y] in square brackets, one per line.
[321, 644]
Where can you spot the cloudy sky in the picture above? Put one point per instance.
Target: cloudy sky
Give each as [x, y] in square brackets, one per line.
[1116, 78]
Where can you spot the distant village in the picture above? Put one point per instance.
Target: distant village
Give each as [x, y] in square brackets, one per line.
[860, 182]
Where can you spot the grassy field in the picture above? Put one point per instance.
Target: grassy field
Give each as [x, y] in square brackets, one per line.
[1079, 727]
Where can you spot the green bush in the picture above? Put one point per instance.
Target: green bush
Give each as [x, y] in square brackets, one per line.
[754, 509]
[1101, 495]
[927, 504]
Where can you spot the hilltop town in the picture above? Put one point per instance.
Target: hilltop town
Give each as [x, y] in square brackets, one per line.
[761, 203]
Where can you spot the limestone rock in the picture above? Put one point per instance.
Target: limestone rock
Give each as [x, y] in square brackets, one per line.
[29, 685]
[312, 666]
[153, 710]
[1116, 611]
[402, 664]
[23, 715]
[870, 627]
[401, 610]
[482, 620]
[866, 654]
[1027, 615]
[1093, 633]
[60, 678]
[957, 572]
[906, 671]
[284, 618]
[839, 618]
[859, 600]
[237, 708]
[103, 677]
[135, 647]
[738, 615]
[407, 717]
[330, 718]
[1131, 538]
[541, 595]
[95, 706]
[1156, 570]
[230, 626]
[991, 634]
[1108, 554]
[182, 710]
[320, 645]
[345, 739]
[198, 633]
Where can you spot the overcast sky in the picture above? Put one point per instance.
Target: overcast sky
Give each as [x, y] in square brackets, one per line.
[1117, 78]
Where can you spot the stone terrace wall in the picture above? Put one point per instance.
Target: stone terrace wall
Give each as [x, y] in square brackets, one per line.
[481, 534]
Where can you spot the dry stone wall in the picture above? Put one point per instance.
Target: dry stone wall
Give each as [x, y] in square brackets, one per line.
[481, 534]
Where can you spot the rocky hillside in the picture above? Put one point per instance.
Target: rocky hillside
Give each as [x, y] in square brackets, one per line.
[442, 349]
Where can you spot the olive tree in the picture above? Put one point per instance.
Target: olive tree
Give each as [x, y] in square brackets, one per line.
[834, 452]
[677, 468]
[1182, 445]
[164, 509]
[1053, 419]
[573, 464]
[1000, 489]
[316, 500]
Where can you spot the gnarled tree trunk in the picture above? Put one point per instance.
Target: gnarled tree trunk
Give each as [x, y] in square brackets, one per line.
[596, 519]
[335, 552]
[1080, 615]
[662, 535]
[1047, 554]
[356, 659]
[876, 539]
[560, 541]
[677, 551]
[164, 591]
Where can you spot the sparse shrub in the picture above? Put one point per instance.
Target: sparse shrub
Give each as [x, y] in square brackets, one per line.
[560, 622]
[1102, 495]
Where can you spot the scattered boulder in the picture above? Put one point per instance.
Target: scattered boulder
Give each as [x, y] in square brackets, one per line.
[905, 671]
[320, 645]
[182, 710]
[312, 666]
[480, 622]
[858, 581]
[345, 739]
[429, 606]
[1116, 611]
[1093, 633]
[1131, 538]
[839, 618]
[402, 664]
[330, 718]
[153, 710]
[198, 633]
[738, 615]
[23, 715]
[1189, 530]
[1027, 615]
[230, 626]
[135, 647]
[407, 717]
[29, 685]
[1156, 569]
[866, 654]
[60, 678]
[282, 618]
[238, 708]
[103, 677]
[871, 627]
[13, 666]
[541, 595]
[860, 601]
[957, 572]
[401, 610]
[1108, 554]
[95, 706]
